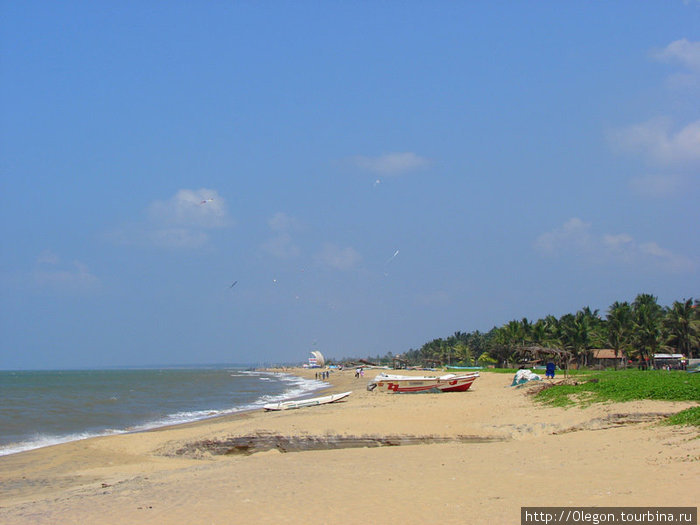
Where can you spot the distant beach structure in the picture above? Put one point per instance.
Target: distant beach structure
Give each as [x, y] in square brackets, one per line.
[316, 360]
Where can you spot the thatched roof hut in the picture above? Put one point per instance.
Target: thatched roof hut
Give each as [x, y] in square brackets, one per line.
[399, 362]
[536, 354]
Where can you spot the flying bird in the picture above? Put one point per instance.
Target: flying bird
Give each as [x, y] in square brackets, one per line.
[234, 284]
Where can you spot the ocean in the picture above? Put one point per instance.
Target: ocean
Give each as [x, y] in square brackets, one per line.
[41, 408]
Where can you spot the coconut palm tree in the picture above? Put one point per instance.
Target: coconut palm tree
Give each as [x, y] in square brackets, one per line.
[579, 333]
[553, 330]
[647, 318]
[682, 323]
[538, 333]
[619, 328]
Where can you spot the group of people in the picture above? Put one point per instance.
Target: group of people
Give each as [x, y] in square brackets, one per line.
[323, 375]
[359, 372]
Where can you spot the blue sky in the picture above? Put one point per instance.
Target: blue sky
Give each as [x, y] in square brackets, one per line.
[373, 175]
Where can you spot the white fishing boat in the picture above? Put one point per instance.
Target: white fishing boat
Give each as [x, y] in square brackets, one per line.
[416, 384]
[301, 403]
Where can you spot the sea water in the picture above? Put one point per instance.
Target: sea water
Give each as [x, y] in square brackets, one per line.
[41, 408]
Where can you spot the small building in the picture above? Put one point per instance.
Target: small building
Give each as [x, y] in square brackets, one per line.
[606, 357]
[674, 361]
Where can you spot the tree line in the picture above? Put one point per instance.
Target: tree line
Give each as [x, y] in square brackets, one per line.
[635, 331]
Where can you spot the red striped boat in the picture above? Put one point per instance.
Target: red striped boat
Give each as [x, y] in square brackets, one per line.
[416, 384]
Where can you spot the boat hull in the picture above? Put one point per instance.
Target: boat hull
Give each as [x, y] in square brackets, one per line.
[414, 385]
[302, 403]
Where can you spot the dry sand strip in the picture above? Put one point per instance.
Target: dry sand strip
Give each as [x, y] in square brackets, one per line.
[474, 457]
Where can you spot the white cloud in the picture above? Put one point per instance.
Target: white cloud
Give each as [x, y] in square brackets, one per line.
[47, 257]
[573, 233]
[50, 272]
[281, 222]
[392, 163]
[576, 238]
[181, 222]
[339, 258]
[281, 246]
[674, 153]
[681, 51]
[656, 141]
[675, 149]
[201, 208]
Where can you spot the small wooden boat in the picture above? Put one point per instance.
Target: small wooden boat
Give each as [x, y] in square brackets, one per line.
[301, 403]
[416, 384]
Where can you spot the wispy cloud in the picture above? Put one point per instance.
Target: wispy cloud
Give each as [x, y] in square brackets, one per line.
[281, 222]
[577, 238]
[683, 52]
[674, 155]
[338, 257]
[672, 150]
[574, 233]
[686, 55]
[658, 142]
[191, 209]
[391, 163]
[181, 222]
[52, 273]
[282, 245]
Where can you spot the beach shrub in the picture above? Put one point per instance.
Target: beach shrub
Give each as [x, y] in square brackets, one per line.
[625, 385]
[689, 416]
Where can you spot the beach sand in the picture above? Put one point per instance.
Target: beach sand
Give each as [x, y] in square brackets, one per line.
[472, 457]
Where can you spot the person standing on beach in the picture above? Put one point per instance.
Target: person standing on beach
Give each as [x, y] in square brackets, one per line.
[550, 370]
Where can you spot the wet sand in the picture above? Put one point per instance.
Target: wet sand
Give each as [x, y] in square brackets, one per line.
[474, 457]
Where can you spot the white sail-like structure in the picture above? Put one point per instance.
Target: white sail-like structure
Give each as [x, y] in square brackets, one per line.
[318, 356]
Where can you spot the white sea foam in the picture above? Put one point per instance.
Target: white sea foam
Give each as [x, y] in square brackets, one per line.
[295, 387]
[45, 440]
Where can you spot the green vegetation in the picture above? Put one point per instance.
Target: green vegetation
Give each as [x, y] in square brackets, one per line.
[635, 331]
[625, 385]
[690, 416]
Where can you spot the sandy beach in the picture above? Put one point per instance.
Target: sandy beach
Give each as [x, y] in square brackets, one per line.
[474, 457]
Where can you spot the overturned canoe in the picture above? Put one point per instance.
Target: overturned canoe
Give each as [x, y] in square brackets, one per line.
[301, 403]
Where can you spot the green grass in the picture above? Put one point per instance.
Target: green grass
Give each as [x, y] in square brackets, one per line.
[689, 416]
[540, 371]
[625, 385]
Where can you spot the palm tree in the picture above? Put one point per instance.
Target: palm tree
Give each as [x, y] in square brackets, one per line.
[619, 328]
[463, 353]
[525, 331]
[538, 333]
[579, 333]
[682, 325]
[553, 330]
[500, 342]
[647, 316]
